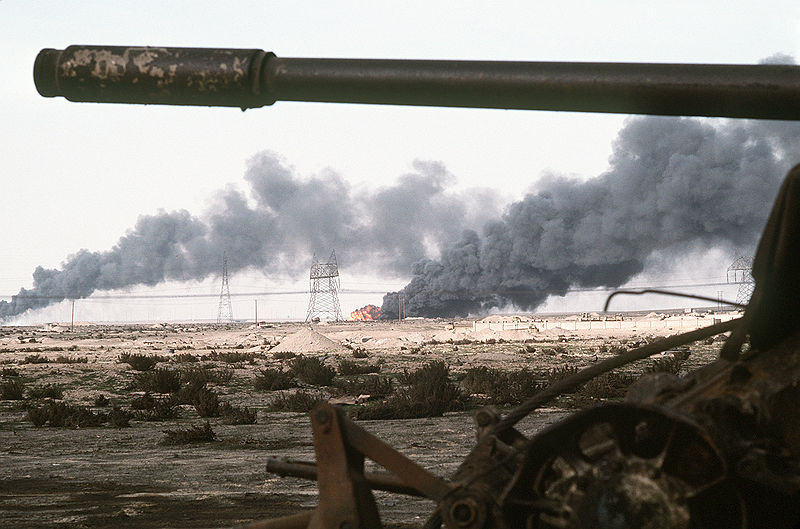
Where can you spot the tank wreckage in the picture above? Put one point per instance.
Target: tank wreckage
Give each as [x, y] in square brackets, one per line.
[717, 448]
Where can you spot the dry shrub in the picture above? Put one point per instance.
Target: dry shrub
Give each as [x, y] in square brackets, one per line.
[12, 390]
[669, 364]
[360, 352]
[502, 387]
[372, 385]
[119, 418]
[62, 359]
[283, 355]
[35, 359]
[156, 409]
[145, 402]
[50, 391]
[349, 367]
[59, 414]
[559, 373]
[101, 401]
[610, 385]
[204, 375]
[234, 357]
[274, 379]
[194, 434]
[185, 357]
[299, 401]
[140, 362]
[206, 402]
[237, 415]
[157, 381]
[9, 372]
[430, 393]
[311, 370]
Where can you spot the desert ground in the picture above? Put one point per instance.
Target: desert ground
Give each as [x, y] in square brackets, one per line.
[89, 438]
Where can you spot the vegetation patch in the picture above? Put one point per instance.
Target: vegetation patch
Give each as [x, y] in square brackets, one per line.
[50, 391]
[299, 401]
[63, 359]
[35, 359]
[12, 390]
[194, 434]
[101, 401]
[372, 385]
[141, 362]
[9, 372]
[502, 388]
[669, 364]
[206, 402]
[236, 415]
[349, 367]
[430, 393]
[185, 358]
[119, 418]
[283, 355]
[312, 370]
[270, 379]
[61, 414]
[157, 381]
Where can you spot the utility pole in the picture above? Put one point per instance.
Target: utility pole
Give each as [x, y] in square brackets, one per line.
[225, 312]
[72, 321]
[256, 304]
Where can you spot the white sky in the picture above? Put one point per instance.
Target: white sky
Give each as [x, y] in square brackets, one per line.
[77, 175]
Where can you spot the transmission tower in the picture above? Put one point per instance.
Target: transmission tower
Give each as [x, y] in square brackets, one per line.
[324, 288]
[225, 312]
[741, 272]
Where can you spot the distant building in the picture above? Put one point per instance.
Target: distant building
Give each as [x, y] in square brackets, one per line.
[496, 322]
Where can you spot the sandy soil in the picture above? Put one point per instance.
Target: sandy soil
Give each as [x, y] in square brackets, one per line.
[104, 476]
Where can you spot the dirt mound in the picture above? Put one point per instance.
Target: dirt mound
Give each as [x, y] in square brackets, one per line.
[308, 341]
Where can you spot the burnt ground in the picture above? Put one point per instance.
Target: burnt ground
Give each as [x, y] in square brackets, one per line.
[125, 477]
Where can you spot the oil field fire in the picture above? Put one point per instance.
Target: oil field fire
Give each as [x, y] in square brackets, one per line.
[366, 313]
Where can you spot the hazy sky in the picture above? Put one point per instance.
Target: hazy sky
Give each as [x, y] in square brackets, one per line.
[76, 176]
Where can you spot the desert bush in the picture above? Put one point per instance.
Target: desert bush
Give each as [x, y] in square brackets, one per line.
[50, 391]
[236, 415]
[312, 370]
[502, 387]
[144, 402]
[274, 379]
[430, 393]
[158, 410]
[283, 355]
[184, 357]
[206, 402]
[38, 415]
[60, 414]
[559, 373]
[157, 381]
[119, 418]
[9, 372]
[140, 362]
[234, 357]
[669, 364]
[610, 385]
[199, 376]
[373, 385]
[101, 401]
[299, 401]
[194, 434]
[62, 359]
[359, 352]
[349, 367]
[12, 390]
[35, 359]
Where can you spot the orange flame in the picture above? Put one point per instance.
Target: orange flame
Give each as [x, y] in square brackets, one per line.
[368, 313]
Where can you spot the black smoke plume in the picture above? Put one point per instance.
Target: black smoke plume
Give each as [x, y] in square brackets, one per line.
[275, 228]
[672, 185]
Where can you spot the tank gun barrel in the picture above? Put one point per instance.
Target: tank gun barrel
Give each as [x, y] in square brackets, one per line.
[249, 78]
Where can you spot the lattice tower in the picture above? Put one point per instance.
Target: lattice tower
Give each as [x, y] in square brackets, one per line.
[225, 312]
[324, 288]
[741, 272]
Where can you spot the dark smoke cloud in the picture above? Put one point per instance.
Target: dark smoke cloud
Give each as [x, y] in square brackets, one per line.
[275, 227]
[672, 185]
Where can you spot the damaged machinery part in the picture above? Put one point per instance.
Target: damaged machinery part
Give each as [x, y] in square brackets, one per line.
[718, 448]
[250, 78]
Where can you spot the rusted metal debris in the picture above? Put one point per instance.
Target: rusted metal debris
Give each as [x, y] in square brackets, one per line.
[718, 448]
